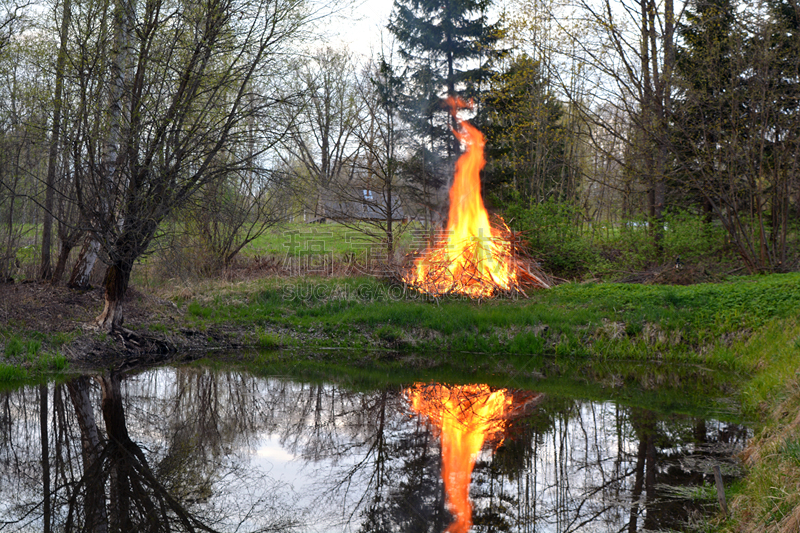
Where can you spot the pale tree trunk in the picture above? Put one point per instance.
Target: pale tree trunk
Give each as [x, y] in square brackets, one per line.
[82, 271]
[111, 166]
[45, 271]
[96, 519]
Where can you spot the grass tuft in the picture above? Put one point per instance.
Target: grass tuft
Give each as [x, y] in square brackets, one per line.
[12, 373]
[14, 347]
[268, 341]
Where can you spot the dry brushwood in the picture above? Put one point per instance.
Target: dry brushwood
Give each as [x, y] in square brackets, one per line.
[462, 275]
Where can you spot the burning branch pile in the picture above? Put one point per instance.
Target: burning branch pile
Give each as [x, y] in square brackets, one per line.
[473, 257]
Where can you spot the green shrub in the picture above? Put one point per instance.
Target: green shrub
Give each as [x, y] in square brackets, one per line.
[692, 238]
[633, 246]
[551, 230]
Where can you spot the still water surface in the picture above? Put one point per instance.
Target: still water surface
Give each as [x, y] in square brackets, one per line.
[188, 448]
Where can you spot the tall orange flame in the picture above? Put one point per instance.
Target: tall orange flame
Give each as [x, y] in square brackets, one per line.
[466, 416]
[473, 258]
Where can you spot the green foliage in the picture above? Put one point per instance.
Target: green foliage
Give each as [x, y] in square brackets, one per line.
[552, 232]
[525, 135]
[692, 238]
[26, 254]
[632, 248]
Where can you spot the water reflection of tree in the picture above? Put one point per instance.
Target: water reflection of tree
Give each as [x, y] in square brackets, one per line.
[379, 466]
[102, 479]
[572, 464]
[567, 465]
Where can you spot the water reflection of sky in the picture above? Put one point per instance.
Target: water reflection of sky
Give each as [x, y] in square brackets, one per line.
[251, 452]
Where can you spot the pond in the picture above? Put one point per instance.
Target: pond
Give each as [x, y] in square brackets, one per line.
[189, 448]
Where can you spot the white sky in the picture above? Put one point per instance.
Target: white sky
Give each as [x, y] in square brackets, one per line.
[361, 26]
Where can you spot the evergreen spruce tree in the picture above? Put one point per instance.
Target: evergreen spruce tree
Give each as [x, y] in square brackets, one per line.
[526, 138]
[448, 47]
[708, 70]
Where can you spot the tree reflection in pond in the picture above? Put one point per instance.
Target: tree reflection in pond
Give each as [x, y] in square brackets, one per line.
[190, 449]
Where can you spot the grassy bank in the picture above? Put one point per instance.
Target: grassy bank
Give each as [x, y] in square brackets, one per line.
[29, 355]
[768, 500]
[695, 324]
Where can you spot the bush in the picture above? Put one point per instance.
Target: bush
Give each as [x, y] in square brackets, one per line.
[632, 246]
[552, 232]
[692, 238]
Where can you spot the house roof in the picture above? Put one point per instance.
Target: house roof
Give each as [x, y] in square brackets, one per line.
[358, 204]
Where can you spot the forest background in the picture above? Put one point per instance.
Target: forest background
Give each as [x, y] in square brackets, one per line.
[180, 140]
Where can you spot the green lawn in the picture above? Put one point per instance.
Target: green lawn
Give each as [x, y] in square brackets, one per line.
[300, 238]
[609, 320]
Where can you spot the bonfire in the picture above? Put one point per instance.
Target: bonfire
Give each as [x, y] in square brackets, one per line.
[474, 257]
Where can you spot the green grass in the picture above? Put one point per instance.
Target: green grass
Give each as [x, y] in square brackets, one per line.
[12, 373]
[268, 341]
[51, 363]
[31, 355]
[302, 239]
[14, 347]
[791, 451]
[617, 321]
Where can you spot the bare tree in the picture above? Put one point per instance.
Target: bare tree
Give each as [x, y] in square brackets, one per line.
[321, 143]
[185, 83]
[371, 197]
[630, 54]
[11, 17]
[228, 214]
[45, 269]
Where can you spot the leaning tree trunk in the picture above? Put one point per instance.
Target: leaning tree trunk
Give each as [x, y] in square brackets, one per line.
[61, 264]
[115, 286]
